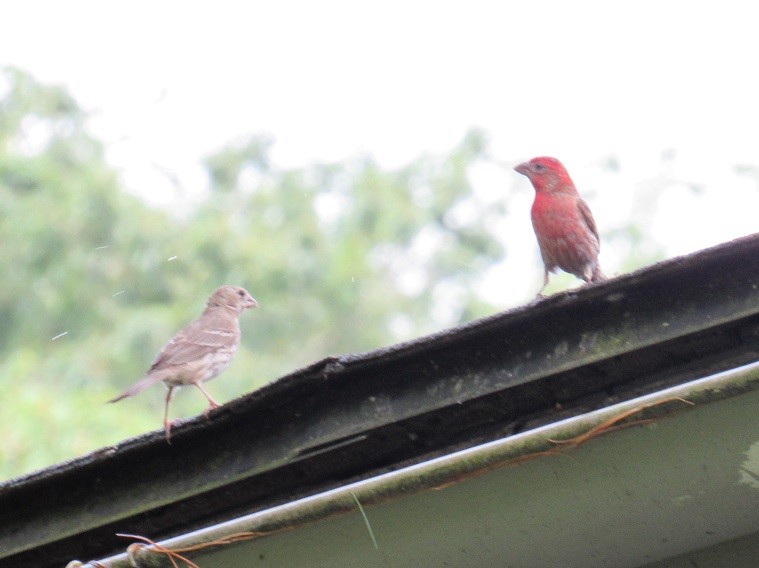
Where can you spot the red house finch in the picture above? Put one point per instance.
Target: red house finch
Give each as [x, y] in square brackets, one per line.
[200, 351]
[565, 228]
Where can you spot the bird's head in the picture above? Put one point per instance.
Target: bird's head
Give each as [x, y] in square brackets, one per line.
[233, 297]
[546, 174]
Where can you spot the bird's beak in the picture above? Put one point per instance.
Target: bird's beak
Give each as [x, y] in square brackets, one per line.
[522, 168]
[251, 303]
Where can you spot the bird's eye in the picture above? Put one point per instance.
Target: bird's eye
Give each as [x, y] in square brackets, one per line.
[538, 167]
[240, 293]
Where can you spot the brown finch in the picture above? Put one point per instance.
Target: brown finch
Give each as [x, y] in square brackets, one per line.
[567, 234]
[200, 351]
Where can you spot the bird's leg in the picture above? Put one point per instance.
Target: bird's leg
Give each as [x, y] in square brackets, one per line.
[166, 422]
[211, 402]
[597, 275]
[592, 273]
[588, 273]
[545, 283]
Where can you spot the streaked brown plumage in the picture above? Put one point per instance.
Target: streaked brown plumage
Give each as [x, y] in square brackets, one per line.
[199, 351]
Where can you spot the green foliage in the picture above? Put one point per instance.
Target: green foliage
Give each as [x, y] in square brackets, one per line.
[342, 258]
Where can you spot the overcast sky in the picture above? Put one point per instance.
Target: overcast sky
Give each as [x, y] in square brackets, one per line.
[169, 82]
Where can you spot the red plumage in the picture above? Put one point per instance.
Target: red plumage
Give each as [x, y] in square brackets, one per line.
[565, 228]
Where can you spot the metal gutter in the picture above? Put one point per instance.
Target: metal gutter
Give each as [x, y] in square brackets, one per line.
[697, 484]
[354, 417]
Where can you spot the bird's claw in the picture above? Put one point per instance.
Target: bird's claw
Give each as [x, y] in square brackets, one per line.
[167, 424]
[208, 410]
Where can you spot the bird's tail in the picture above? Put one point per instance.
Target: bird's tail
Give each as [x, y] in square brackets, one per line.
[139, 386]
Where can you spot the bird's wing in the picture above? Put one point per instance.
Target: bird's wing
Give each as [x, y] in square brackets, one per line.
[204, 336]
[588, 218]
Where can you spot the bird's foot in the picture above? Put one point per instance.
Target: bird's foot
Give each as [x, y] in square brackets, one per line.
[539, 298]
[213, 404]
[167, 424]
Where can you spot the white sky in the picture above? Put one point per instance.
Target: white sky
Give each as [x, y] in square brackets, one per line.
[170, 82]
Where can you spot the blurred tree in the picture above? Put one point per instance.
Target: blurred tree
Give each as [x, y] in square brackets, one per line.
[342, 257]
[358, 256]
[632, 239]
[79, 260]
